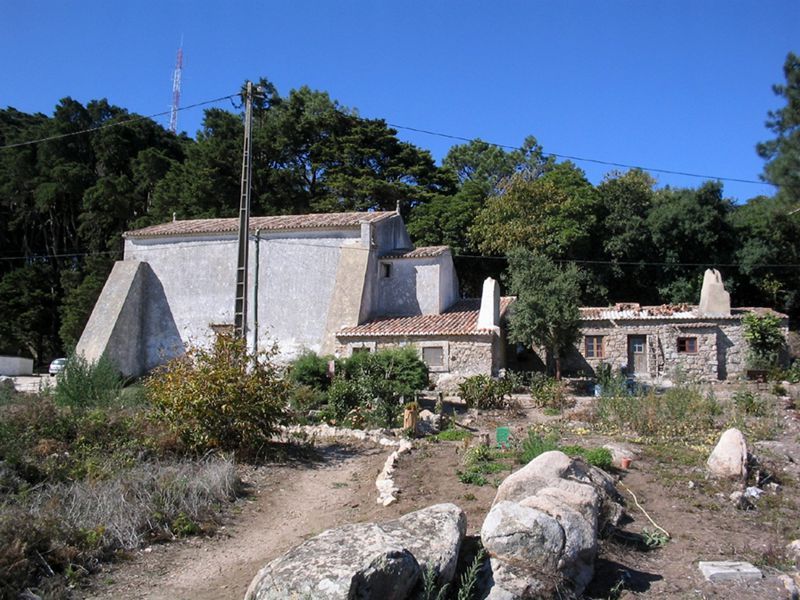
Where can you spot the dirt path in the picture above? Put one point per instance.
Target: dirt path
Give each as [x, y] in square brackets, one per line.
[290, 503]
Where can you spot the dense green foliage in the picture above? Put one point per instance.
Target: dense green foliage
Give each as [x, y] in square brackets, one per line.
[764, 338]
[221, 397]
[368, 388]
[546, 312]
[65, 202]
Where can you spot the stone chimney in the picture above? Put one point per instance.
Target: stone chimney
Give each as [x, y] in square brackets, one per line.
[489, 316]
[714, 300]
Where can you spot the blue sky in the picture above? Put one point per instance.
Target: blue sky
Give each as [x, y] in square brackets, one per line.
[677, 85]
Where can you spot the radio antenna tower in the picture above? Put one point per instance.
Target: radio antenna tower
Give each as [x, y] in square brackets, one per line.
[176, 90]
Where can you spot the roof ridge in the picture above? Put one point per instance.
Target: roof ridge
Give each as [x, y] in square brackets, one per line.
[337, 220]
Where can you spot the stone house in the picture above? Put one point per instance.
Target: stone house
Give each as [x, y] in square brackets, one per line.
[702, 342]
[331, 283]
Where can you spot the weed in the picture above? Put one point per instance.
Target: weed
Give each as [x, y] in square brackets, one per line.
[682, 412]
[453, 435]
[653, 538]
[469, 580]
[83, 384]
[472, 477]
[469, 497]
[535, 444]
[429, 591]
[748, 403]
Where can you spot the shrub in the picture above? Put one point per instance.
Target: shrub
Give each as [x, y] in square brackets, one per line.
[453, 435]
[368, 387]
[764, 338]
[402, 368]
[484, 392]
[547, 392]
[222, 397]
[302, 399]
[612, 384]
[83, 384]
[310, 370]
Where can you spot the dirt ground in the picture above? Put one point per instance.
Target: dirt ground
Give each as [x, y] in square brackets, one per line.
[294, 500]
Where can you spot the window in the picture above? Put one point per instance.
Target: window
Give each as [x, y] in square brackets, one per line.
[386, 269]
[593, 346]
[433, 356]
[687, 345]
[360, 349]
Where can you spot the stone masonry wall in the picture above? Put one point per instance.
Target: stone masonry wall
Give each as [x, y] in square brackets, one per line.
[707, 363]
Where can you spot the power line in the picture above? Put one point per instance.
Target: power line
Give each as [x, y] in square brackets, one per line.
[459, 138]
[579, 158]
[644, 263]
[198, 244]
[116, 123]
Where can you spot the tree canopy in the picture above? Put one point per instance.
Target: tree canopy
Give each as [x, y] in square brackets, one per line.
[546, 312]
[65, 202]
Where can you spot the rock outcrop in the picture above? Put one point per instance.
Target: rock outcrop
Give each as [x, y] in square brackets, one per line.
[367, 560]
[541, 533]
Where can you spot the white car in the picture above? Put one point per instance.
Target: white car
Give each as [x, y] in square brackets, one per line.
[57, 366]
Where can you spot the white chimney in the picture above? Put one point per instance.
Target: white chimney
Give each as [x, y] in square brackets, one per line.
[489, 316]
[714, 300]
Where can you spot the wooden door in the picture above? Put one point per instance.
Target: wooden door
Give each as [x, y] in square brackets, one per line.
[637, 354]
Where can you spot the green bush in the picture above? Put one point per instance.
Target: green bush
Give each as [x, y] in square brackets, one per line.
[402, 368]
[222, 397]
[83, 384]
[369, 387]
[613, 384]
[310, 370]
[484, 392]
[547, 392]
[453, 435]
[764, 339]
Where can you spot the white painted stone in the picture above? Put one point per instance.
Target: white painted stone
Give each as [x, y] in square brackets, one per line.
[728, 571]
[729, 457]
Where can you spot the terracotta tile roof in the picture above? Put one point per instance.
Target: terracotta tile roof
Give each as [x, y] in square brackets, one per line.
[459, 319]
[665, 311]
[423, 252]
[280, 222]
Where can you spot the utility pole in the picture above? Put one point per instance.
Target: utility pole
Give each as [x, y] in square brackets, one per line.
[240, 306]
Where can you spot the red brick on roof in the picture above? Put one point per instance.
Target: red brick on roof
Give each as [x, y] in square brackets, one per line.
[273, 223]
[459, 319]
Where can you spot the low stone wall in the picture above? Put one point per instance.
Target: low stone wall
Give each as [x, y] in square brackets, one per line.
[13, 366]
